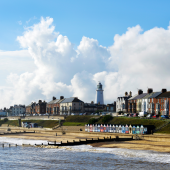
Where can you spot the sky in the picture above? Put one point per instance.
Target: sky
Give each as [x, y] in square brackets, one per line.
[54, 48]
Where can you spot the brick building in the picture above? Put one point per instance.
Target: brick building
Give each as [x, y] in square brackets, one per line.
[36, 108]
[53, 107]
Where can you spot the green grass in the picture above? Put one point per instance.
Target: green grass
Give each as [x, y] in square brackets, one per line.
[74, 124]
[77, 118]
[44, 123]
[166, 129]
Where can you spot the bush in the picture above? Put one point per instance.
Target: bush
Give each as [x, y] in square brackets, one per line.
[92, 121]
[107, 118]
[6, 119]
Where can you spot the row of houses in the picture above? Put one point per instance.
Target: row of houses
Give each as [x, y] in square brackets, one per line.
[150, 102]
[67, 106]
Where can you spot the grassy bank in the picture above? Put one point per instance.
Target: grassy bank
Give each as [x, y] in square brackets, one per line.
[82, 120]
[43, 123]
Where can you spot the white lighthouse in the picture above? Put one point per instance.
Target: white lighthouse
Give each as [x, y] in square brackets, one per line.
[99, 94]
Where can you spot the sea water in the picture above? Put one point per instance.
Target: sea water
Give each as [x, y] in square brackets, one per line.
[77, 157]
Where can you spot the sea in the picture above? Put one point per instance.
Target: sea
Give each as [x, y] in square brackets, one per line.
[80, 157]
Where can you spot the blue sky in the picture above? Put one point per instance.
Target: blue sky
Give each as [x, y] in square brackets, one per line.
[123, 44]
[96, 19]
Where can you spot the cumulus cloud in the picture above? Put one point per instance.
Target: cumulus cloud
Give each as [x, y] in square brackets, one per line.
[136, 59]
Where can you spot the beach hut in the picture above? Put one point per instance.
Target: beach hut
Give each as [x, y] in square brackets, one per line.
[123, 129]
[145, 130]
[104, 128]
[85, 127]
[88, 128]
[130, 129]
[120, 129]
[107, 128]
[111, 129]
[126, 129]
[137, 130]
[117, 129]
[98, 128]
[95, 128]
[141, 130]
[91, 128]
[134, 130]
[101, 128]
[114, 129]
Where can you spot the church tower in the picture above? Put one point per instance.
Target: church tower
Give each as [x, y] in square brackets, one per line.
[99, 94]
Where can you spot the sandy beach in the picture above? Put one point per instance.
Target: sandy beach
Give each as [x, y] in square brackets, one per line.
[160, 143]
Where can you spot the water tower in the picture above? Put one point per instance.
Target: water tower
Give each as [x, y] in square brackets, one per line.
[99, 94]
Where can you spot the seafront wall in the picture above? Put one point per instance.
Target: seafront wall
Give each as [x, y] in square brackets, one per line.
[34, 118]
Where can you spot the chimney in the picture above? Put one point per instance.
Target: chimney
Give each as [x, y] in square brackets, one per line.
[140, 92]
[164, 90]
[61, 97]
[54, 98]
[92, 102]
[130, 94]
[126, 93]
[150, 90]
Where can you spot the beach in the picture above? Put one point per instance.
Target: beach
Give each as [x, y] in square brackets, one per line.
[156, 142]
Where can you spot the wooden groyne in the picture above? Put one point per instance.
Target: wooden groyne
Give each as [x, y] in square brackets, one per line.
[89, 141]
[14, 133]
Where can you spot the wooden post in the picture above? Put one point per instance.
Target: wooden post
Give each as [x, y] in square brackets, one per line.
[3, 145]
[9, 145]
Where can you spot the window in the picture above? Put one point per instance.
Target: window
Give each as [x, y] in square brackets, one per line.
[152, 99]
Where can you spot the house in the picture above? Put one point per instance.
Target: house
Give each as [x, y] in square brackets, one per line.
[161, 103]
[122, 102]
[18, 110]
[134, 103]
[90, 107]
[111, 108]
[71, 105]
[53, 107]
[36, 108]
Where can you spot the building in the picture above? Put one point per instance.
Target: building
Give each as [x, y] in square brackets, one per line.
[147, 104]
[131, 104]
[161, 103]
[36, 108]
[111, 108]
[30, 109]
[90, 108]
[122, 103]
[71, 105]
[18, 110]
[53, 107]
[134, 103]
[99, 94]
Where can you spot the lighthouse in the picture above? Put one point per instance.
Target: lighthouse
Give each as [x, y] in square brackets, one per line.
[99, 94]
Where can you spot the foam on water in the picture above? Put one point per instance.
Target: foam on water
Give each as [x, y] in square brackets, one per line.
[20, 141]
[142, 155]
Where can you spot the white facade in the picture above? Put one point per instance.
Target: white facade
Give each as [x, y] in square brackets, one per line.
[99, 94]
[18, 110]
[120, 104]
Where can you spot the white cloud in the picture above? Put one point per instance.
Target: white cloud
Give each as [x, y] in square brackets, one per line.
[136, 60]
[20, 22]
